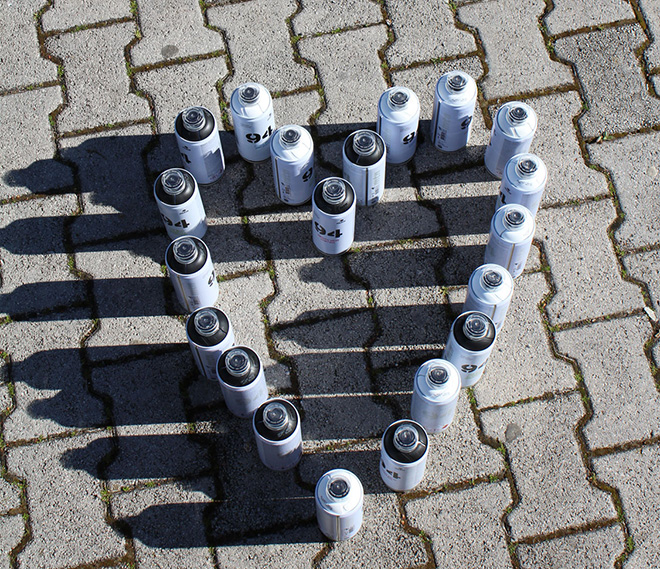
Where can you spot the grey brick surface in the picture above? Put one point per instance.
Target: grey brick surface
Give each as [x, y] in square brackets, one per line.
[95, 76]
[612, 82]
[634, 162]
[172, 29]
[61, 494]
[618, 378]
[547, 466]
[594, 550]
[9, 497]
[22, 63]
[246, 25]
[441, 38]
[319, 16]
[349, 70]
[645, 266]
[297, 108]
[583, 263]
[633, 473]
[651, 11]
[66, 14]
[517, 58]
[35, 273]
[26, 148]
[570, 15]
[464, 527]
[11, 532]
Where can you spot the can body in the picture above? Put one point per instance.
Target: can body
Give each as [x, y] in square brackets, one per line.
[397, 123]
[402, 471]
[523, 182]
[453, 110]
[207, 348]
[508, 243]
[201, 150]
[366, 171]
[181, 207]
[512, 133]
[489, 291]
[292, 154]
[339, 498]
[246, 391]
[469, 355]
[435, 395]
[278, 450]
[333, 222]
[254, 121]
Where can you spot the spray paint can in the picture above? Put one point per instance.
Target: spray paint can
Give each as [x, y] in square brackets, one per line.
[180, 203]
[523, 182]
[470, 342]
[403, 452]
[191, 270]
[489, 291]
[242, 380]
[453, 110]
[209, 334]
[513, 129]
[254, 121]
[276, 426]
[435, 395]
[333, 216]
[397, 123]
[363, 158]
[292, 153]
[511, 233]
[339, 500]
[196, 133]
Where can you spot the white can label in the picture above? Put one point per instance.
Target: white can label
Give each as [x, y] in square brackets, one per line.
[203, 159]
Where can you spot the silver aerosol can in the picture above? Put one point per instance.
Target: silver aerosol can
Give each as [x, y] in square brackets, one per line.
[403, 452]
[511, 234]
[363, 158]
[333, 216]
[180, 203]
[523, 182]
[470, 342]
[435, 395]
[254, 121]
[513, 129]
[196, 133]
[242, 380]
[209, 333]
[292, 153]
[339, 500]
[397, 123]
[276, 426]
[489, 291]
[191, 270]
[453, 109]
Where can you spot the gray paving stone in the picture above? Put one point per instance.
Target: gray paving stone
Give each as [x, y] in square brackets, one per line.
[583, 263]
[612, 81]
[634, 161]
[518, 61]
[655, 81]
[66, 14]
[570, 15]
[349, 69]
[318, 16]
[60, 495]
[22, 63]
[35, 271]
[635, 474]
[11, 532]
[97, 85]
[26, 148]
[172, 29]
[10, 497]
[618, 378]
[336, 389]
[474, 515]
[51, 392]
[246, 25]
[167, 523]
[645, 266]
[547, 466]
[594, 550]
[440, 38]
[297, 108]
[651, 11]
[5, 398]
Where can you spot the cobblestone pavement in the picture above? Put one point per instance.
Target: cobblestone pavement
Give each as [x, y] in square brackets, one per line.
[114, 452]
